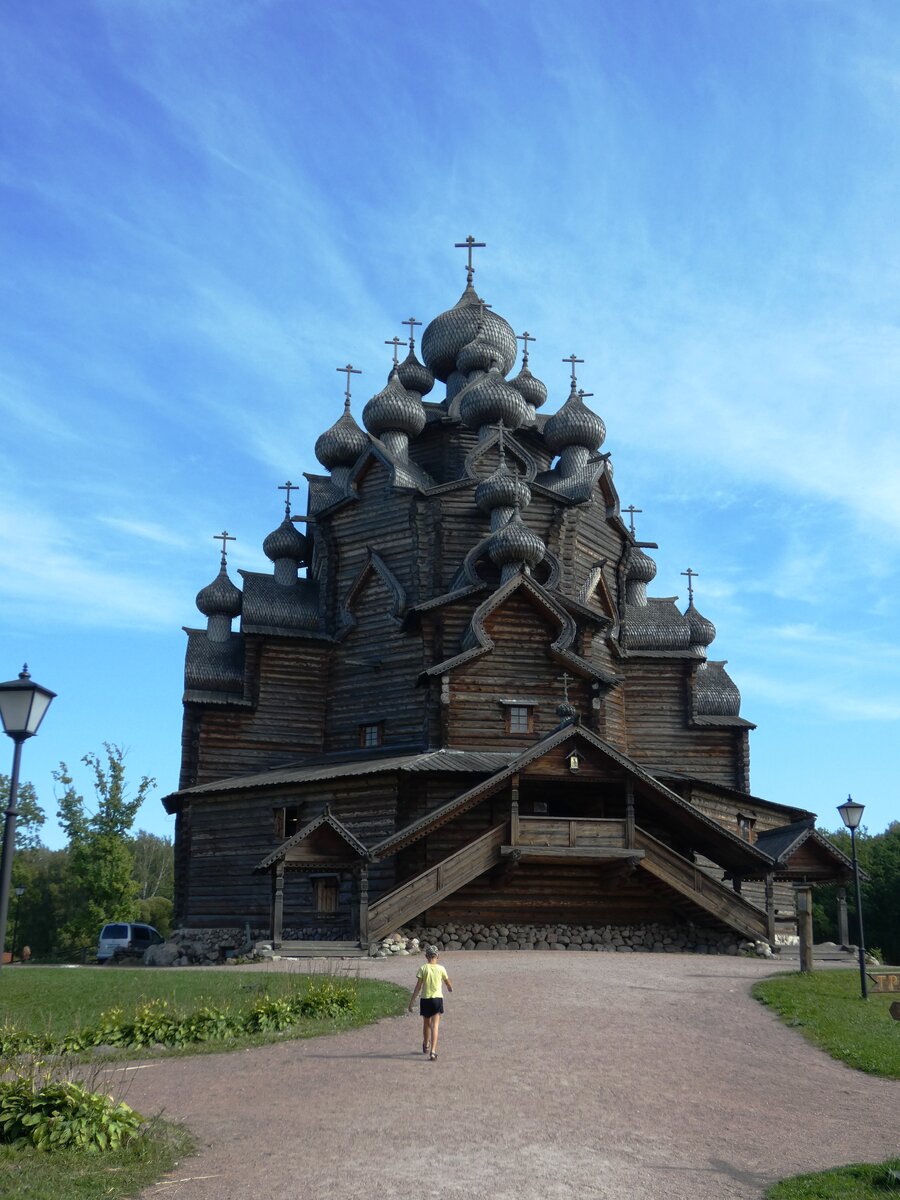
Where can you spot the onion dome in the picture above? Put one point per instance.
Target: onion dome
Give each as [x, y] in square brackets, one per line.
[514, 545]
[574, 425]
[343, 443]
[220, 598]
[566, 711]
[446, 335]
[393, 408]
[477, 355]
[414, 376]
[490, 400]
[703, 631]
[641, 567]
[529, 387]
[503, 489]
[286, 542]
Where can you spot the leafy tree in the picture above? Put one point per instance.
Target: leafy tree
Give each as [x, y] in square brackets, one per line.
[879, 858]
[157, 911]
[154, 865]
[31, 815]
[99, 851]
[46, 902]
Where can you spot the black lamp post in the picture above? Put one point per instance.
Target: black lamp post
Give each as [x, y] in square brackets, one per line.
[851, 815]
[23, 704]
[20, 891]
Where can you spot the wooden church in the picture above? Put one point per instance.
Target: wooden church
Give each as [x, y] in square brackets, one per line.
[453, 698]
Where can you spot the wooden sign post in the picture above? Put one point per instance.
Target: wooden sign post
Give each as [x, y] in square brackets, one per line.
[885, 981]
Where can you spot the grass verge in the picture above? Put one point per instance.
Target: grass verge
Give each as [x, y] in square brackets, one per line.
[860, 1181]
[825, 1006]
[72, 1175]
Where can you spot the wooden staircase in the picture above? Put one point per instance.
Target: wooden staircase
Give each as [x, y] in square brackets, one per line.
[701, 889]
[451, 873]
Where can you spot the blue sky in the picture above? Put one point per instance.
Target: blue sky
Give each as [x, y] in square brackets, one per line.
[208, 206]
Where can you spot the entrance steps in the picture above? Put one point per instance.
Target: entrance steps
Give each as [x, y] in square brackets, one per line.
[321, 950]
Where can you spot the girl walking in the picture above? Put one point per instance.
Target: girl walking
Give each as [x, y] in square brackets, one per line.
[430, 979]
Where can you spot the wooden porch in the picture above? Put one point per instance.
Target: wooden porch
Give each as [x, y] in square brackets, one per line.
[570, 839]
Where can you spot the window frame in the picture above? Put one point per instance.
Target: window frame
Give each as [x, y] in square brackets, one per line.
[378, 729]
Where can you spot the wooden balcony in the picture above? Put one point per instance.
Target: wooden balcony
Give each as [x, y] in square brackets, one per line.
[565, 839]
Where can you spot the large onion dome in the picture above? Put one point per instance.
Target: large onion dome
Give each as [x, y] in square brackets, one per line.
[220, 598]
[574, 425]
[641, 567]
[703, 631]
[286, 542]
[490, 400]
[446, 335]
[529, 387]
[393, 408]
[342, 444]
[414, 376]
[514, 545]
[503, 489]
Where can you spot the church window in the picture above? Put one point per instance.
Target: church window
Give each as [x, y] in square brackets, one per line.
[287, 820]
[372, 734]
[519, 718]
[326, 894]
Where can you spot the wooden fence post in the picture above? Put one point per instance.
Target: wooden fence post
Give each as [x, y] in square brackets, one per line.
[277, 904]
[770, 908]
[803, 900]
[843, 926]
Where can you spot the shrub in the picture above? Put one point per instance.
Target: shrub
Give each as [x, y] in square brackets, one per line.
[56, 1114]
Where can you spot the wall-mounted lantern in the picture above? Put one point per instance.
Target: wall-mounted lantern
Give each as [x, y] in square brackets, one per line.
[573, 760]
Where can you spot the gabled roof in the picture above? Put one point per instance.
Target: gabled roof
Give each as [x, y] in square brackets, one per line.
[736, 850]
[325, 818]
[782, 844]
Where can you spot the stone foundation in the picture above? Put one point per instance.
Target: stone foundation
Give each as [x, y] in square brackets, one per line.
[633, 939]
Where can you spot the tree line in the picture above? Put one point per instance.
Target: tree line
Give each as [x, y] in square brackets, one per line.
[106, 872]
[879, 859]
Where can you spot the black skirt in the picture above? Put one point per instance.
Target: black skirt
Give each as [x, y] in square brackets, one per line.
[428, 1008]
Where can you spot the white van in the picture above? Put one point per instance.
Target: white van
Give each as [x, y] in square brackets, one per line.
[125, 937]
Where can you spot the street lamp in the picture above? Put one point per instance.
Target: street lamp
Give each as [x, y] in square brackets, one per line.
[851, 815]
[20, 891]
[23, 705]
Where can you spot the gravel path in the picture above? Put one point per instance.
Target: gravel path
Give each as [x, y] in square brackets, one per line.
[616, 1077]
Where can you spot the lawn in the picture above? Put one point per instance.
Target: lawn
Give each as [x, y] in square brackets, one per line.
[861, 1181]
[825, 1006]
[60, 1000]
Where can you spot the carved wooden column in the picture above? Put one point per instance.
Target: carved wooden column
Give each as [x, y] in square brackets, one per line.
[629, 815]
[514, 810]
[277, 904]
[803, 898]
[843, 926]
[770, 908]
[363, 904]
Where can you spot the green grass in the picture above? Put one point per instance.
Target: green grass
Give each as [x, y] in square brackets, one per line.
[60, 1000]
[861, 1181]
[70, 1175]
[825, 1006]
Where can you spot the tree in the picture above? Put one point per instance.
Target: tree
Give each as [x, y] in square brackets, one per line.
[154, 865]
[879, 859]
[100, 858]
[31, 815]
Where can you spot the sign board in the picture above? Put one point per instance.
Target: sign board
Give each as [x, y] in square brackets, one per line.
[885, 981]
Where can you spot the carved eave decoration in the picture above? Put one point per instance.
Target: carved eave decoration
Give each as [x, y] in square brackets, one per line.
[374, 565]
[405, 476]
[477, 641]
[355, 851]
[511, 448]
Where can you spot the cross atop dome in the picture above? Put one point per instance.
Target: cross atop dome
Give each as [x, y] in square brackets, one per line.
[396, 343]
[526, 338]
[412, 323]
[287, 488]
[572, 360]
[470, 244]
[691, 576]
[224, 537]
[631, 510]
[350, 370]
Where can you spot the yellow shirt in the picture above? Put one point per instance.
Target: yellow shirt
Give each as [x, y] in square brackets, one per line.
[432, 976]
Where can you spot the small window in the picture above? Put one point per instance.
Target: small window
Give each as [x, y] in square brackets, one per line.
[745, 826]
[519, 718]
[287, 820]
[326, 895]
[371, 735]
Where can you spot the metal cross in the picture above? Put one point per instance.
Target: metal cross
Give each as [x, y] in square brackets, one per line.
[396, 343]
[572, 360]
[631, 510]
[412, 323]
[691, 576]
[471, 244]
[526, 338]
[350, 370]
[582, 394]
[287, 488]
[223, 537]
[565, 683]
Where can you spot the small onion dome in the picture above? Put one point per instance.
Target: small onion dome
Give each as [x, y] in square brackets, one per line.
[641, 567]
[477, 355]
[529, 387]
[395, 409]
[446, 335]
[342, 444]
[490, 400]
[703, 631]
[414, 376]
[566, 711]
[221, 597]
[574, 425]
[286, 542]
[515, 543]
[503, 489]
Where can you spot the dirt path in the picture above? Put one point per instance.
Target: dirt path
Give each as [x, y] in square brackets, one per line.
[616, 1077]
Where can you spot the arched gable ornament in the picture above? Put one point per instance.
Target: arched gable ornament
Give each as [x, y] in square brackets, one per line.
[374, 565]
[595, 588]
[468, 572]
[511, 449]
